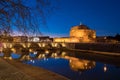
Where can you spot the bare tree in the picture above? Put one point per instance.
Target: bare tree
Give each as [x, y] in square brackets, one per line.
[24, 16]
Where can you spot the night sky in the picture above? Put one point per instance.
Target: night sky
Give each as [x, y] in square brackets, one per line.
[100, 15]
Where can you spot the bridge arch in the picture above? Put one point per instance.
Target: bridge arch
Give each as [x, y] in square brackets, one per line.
[33, 47]
[48, 46]
[7, 53]
[58, 45]
[16, 48]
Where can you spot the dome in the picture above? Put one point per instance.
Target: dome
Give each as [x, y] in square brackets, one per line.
[80, 27]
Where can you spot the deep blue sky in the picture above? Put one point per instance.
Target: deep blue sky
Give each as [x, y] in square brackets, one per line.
[100, 15]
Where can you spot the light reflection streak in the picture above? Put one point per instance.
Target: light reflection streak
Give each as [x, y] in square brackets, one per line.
[105, 68]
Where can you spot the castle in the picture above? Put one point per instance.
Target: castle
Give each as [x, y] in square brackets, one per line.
[80, 33]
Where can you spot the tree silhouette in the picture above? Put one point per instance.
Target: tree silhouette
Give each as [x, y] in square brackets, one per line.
[20, 15]
[117, 37]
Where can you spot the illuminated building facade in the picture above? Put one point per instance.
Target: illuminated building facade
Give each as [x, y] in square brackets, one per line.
[80, 33]
[32, 39]
[40, 39]
[19, 38]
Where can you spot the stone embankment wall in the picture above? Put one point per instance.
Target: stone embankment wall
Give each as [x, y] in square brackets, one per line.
[103, 47]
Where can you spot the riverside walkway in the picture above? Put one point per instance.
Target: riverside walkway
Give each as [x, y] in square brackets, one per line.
[9, 72]
[14, 70]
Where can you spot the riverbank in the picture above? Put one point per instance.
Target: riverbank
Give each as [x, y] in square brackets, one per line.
[96, 52]
[14, 70]
[101, 47]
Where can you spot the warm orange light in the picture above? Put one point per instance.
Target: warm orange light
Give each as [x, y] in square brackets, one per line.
[13, 50]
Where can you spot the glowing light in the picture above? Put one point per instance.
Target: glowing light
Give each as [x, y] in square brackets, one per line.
[36, 39]
[85, 64]
[39, 44]
[39, 56]
[14, 51]
[105, 68]
[24, 45]
[63, 44]
[46, 51]
[43, 55]
[5, 46]
[63, 54]
[35, 52]
[10, 58]
[43, 45]
[55, 54]
[30, 50]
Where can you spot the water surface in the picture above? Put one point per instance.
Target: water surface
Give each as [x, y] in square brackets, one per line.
[79, 66]
[74, 65]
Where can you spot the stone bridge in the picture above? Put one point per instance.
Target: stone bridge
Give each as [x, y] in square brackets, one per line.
[29, 47]
[26, 48]
[33, 44]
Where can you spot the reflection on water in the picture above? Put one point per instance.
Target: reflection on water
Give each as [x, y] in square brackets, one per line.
[73, 65]
[80, 64]
[105, 68]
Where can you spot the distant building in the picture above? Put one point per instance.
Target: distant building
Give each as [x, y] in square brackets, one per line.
[32, 39]
[20, 38]
[80, 33]
[5, 37]
[106, 39]
[40, 39]
[67, 39]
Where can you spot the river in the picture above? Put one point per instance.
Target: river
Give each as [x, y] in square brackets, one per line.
[75, 65]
